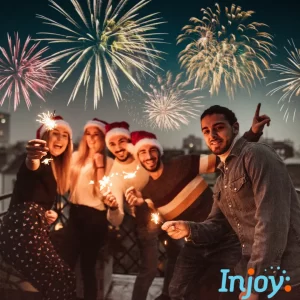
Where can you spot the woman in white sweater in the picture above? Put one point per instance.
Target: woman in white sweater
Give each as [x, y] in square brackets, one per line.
[87, 226]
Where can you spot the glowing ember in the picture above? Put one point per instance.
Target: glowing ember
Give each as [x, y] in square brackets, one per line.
[129, 175]
[105, 182]
[155, 217]
[47, 120]
[46, 161]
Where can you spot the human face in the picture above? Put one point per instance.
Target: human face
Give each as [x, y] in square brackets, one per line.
[118, 147]
[58, 140]
[94, 139]
[218, 133]
[149, 158]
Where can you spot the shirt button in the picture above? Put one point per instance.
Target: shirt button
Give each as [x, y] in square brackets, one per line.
[226, 168]
[229, 205]
[235, 189]
[243, 245]
[225, 186]
[238, 224]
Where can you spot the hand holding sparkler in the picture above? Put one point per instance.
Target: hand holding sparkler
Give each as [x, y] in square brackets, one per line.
[51, 216]
[36, 149]
[99, 160]
[110, 200]
[176, 229]
[134, 197]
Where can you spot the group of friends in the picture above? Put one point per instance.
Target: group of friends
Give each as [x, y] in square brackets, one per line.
[251, 221]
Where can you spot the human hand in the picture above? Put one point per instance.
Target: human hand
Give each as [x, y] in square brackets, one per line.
[36, 149]
[51, 216]
[99, 159]
[134, 197]
[176, 229]
[110, 200]
[259, 121]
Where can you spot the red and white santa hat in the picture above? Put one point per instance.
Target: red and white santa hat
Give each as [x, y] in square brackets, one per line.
[116, 128]
[59, 121]
[141, 138]
[100, 124]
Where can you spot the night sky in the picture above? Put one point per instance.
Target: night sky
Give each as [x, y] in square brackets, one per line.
[283, 17]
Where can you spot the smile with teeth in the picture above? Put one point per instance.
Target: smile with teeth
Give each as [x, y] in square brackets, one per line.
[57, 146]
[215, 142]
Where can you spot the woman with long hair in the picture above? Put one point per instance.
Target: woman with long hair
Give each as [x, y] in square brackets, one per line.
[24, 234]
[87, 228]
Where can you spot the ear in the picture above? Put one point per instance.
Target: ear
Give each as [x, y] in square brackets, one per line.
[236, 127]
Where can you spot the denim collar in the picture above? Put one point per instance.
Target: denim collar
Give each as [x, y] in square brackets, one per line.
[236, 151]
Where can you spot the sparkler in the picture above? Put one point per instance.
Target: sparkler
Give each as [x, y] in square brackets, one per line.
[170, 103]
[46, 161]
[289, 83]
[105, 43]
[47, 120]
[226, 48]
[155, 217]
[23, 71]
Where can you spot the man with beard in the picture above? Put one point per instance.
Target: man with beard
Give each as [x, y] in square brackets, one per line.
[177, 191]
[255, 197]
[125, 171]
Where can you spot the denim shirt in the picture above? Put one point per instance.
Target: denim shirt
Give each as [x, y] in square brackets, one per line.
[254, 196]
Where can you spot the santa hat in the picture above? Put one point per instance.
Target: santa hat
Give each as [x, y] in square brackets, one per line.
[100, 124]
[116, 128]
[59, 121]
[141, 138]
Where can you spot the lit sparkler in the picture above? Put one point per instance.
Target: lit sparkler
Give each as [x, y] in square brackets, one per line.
[23, 71]
[46, 161]
[105, 183]
[155, 217]
[104, 42]
[47, 120]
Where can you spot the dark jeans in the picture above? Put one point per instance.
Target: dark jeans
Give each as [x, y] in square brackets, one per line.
[197, 273]
[148, 238]
[86, 233]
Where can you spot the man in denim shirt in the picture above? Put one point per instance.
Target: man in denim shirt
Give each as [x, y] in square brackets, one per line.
[255, 197]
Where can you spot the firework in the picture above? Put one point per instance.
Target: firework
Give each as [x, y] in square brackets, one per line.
[46, 161]
[47, 120]
[289, 83]
[23, 70]
[226, 48]
[108, 45]
[169, 103]
[155, 217]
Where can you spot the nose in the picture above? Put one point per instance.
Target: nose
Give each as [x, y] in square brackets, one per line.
[213, 134]
[148, 156]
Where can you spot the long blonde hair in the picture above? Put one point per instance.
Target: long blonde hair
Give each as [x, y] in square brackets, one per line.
[83, 153]
[61, 166]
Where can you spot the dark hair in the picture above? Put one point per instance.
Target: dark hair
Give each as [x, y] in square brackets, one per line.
[220, 110]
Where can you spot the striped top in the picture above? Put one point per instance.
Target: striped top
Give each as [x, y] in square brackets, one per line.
[180, 193]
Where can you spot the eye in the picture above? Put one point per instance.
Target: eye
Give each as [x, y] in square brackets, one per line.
[205, 132]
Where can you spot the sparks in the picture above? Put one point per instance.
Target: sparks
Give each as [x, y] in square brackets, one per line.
[47, 120]
[108, 45]
[289, 83]
[170, 103]
[155, 217]
[23, 71]
[105, 183]
[226, 49]
[129, 175]
[46, 161]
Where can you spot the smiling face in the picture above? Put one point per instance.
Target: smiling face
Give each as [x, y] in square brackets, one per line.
[118, 147]
[58, 140]
[149, 158]
[94, 139]
[218, 133]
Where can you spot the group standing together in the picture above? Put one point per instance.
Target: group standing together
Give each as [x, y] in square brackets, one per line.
[250, 221]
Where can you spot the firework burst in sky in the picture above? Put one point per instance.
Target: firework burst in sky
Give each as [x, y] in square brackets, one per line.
[170, 103]
[104, 41]
[225, 47]
[289, 82]
[24, 71]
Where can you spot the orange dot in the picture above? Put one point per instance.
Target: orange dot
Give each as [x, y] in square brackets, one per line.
[287, 288]
[251, 271]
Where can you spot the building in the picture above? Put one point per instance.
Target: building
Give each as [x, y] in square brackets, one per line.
[192, 143]
[4, 129]
[284, 149]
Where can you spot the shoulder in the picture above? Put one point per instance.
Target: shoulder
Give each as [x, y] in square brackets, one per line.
[75, 156]
[109, 163]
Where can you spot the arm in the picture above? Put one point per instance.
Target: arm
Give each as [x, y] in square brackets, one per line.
[36, 149]
[271, 188]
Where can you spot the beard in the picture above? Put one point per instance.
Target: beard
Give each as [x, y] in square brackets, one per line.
[123, 159]
[152, 170]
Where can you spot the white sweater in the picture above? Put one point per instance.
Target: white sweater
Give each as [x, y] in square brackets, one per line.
[82, 192]
[121, 181]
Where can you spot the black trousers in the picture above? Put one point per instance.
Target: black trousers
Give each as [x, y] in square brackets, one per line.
[85, 234]
[25, 244]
